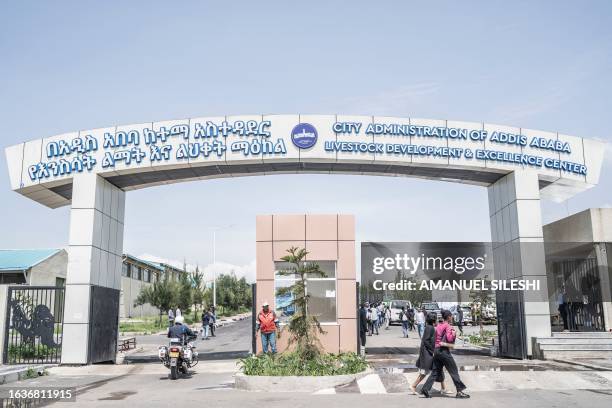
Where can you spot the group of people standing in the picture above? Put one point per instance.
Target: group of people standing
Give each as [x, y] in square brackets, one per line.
[377, 315]
[209, 321]
[412, 319]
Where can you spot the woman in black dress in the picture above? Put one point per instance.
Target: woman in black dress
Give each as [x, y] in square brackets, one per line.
[425, 361]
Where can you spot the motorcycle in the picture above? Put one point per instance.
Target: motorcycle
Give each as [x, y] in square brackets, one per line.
[179, 356]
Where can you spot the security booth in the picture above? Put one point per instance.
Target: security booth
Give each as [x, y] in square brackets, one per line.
[330, 242]
[578, 263]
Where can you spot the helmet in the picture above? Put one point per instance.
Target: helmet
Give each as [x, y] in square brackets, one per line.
[179, 319]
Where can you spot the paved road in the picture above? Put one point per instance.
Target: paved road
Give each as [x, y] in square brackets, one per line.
[491, 382]
[231, 341]
[147, 385]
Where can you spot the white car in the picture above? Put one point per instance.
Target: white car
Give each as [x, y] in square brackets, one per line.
[395, 306]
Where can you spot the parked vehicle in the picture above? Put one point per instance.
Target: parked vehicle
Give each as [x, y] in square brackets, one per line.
[432, 307]
[467, 314]
[179, 356]
[395, 306]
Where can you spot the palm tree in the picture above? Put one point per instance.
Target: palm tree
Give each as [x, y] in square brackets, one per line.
[303, 327]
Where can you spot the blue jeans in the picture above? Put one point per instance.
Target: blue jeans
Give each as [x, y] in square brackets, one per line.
[268, 339]
[205, 331]
[405, 328]
[421, 329]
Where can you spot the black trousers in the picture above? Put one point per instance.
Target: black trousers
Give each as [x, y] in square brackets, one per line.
[443, 358]
[362, 337]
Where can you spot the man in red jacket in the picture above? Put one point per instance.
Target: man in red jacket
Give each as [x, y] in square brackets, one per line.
[267, 323]
[444, 341]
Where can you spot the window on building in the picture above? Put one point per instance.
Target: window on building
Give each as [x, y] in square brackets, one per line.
[138, 274]
[322, 291]
[60, 282]
[147, 275]
[10, 277]
[125, 269]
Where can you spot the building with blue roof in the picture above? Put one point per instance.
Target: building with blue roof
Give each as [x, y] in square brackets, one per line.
[34, 267]
[48, 267]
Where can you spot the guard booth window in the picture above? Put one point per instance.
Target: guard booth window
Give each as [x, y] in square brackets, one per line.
[322, 292]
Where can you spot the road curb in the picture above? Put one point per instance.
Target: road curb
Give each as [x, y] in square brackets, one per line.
[585, 365]
[307, 384]
[20, 373]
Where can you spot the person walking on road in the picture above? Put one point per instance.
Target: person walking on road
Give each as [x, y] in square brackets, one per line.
[420, 321]
[425, 361]
[444, 341]
[374, 319]
[363, 326]
[268, 324]
[213, 321]
[410, 312]
[404, 320]
[460, 319]
[387, 317]
[205, 324]
[170, 318]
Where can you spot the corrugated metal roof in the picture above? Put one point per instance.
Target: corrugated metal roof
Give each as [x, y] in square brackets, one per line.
[22, 259]
[153, 265]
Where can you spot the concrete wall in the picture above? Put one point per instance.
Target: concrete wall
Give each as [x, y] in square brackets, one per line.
[45, 273]
[592, 225]
[130, 288]
[325, 237]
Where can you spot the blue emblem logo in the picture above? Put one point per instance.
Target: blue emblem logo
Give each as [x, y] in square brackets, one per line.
[304, 135]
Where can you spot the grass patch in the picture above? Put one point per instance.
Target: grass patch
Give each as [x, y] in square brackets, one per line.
[485, 340]
[289, 363]
[29, 351]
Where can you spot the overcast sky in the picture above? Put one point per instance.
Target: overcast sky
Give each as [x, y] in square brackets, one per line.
[76, 65]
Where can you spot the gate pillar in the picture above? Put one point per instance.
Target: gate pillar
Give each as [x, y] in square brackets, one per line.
[94, 259]
[518, 252]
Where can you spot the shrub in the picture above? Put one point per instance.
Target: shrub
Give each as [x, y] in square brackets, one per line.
[291, 363]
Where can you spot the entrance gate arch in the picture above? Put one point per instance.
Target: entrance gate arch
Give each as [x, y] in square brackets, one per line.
[92, 170]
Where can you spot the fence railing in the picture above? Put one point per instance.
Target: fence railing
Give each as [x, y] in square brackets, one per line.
[33, 325]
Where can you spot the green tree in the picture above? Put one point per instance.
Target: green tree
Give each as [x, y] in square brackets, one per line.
[303, 327]
[185, 295]
[197, 288]
[480, 300]
[162, 295]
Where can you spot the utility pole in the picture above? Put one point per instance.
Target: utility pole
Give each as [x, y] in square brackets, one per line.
[215, 229]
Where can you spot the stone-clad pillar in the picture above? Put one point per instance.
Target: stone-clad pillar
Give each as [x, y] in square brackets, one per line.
[94, 257]
[518, 250]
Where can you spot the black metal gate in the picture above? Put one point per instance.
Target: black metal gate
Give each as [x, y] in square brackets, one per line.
[34, 325]
[510, 325]
[104, 324]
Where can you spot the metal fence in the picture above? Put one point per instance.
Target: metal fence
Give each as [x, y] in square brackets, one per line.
[34, 325]
[579, 280]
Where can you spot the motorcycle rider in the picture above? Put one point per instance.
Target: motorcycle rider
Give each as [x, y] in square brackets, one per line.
[180, 330]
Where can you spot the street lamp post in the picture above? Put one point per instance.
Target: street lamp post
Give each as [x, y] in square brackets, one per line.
[215, 229]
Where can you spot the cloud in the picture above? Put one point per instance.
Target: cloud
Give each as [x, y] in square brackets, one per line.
[394, 101]
[537, 104]
[247, 271]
